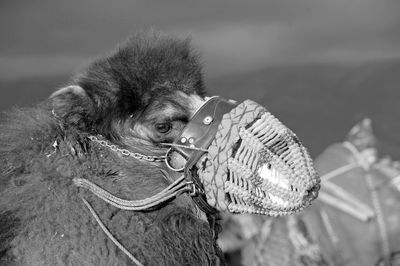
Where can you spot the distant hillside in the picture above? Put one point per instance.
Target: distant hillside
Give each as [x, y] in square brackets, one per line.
[319, 102]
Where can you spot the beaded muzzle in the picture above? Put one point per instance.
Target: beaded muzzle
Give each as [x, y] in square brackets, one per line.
[244, 160]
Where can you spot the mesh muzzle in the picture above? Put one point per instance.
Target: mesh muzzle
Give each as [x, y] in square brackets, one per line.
[253, 163]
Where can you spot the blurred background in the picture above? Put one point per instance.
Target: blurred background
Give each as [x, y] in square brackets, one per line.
[318, 65]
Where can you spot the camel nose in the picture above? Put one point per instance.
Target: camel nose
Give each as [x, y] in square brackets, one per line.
[311, 194]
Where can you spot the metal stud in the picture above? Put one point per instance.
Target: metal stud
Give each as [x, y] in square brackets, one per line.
[183, 140]
[191, 140]
[207, 120]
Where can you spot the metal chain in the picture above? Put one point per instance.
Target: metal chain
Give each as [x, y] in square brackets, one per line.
[125, 152]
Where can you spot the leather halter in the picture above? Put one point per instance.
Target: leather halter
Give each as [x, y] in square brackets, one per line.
[194, 140]
[191, 144]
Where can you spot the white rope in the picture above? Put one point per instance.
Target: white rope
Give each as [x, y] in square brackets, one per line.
[360, 159]
[346, 202]
[380, 219]
[359, 209]
[385, 248]
[108, 233]
[344, 206]
[349, 199]
[339, 171]
[329, 228]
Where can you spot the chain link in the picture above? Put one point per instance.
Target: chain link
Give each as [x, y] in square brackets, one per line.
[125, 152]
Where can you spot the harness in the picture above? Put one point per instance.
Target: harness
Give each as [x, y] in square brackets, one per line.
[191, 145]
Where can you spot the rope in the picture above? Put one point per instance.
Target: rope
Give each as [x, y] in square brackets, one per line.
[177, 187]
[344, 206]
[343, 197]
[329, 228]
[174, 189]
[108, 233]
[380, 219]
[339, 171]
[385, 248]
[302, 245]
[345, 201]
[360, 159]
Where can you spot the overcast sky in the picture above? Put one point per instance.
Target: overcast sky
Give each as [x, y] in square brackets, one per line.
[47, 37]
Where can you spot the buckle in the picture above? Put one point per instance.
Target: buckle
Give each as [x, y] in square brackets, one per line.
[167, 161]
[193, 189]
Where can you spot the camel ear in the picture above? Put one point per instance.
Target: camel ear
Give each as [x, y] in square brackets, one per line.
[71, 90]
[72, 106]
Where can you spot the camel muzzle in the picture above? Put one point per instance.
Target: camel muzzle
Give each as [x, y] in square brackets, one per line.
[243, 160]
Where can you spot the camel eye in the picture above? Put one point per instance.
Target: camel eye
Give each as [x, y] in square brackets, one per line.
[163, 128]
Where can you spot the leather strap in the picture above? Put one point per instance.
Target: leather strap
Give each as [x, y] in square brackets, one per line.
[197, 137]
[201, 129]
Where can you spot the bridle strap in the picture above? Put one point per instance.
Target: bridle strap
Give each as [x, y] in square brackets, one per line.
[202, 127]
[195, 139]
[176, 188]
[199, 134]
[199, 197]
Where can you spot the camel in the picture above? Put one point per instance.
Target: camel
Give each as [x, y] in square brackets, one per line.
[83, 174]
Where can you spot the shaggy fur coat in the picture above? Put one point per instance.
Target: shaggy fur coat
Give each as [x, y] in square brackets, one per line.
[43, 220]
